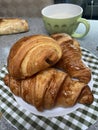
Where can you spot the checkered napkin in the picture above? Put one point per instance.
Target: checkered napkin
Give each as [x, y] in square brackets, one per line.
[80, 119]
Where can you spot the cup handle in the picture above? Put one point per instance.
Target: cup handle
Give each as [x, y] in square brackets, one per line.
[87, 26]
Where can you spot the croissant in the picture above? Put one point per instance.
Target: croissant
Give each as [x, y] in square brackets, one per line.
[71, 60]
[32, 54]
[50, 88]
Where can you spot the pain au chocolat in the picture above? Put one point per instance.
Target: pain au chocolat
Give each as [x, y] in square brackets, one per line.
[32, 54]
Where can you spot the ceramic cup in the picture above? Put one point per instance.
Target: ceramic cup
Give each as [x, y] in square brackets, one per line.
[64, 18]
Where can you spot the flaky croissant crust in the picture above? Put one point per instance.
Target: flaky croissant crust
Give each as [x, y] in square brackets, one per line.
[50, 88]
[32, 54]
[71, 60]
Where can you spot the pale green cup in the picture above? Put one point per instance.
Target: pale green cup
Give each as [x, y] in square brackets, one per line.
[64, 18]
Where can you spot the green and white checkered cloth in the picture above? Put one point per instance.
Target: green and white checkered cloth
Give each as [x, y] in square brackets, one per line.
[22, 119]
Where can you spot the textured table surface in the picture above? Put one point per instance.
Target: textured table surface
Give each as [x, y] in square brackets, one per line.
[89, 42]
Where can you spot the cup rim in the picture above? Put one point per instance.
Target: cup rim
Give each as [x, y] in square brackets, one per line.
[60, 4]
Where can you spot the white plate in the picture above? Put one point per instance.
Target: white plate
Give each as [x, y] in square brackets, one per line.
[59, 111]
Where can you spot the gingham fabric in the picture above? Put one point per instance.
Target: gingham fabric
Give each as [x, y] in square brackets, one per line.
[79, 119]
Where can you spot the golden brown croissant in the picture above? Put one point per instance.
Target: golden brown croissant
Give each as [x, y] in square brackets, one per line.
[32, 54]
[50, 88]
[71, 60]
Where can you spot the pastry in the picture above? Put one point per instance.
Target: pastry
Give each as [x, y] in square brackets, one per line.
[13, 25]
[71, 60]
[32, 54]
[48, 72]
[50, 88]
